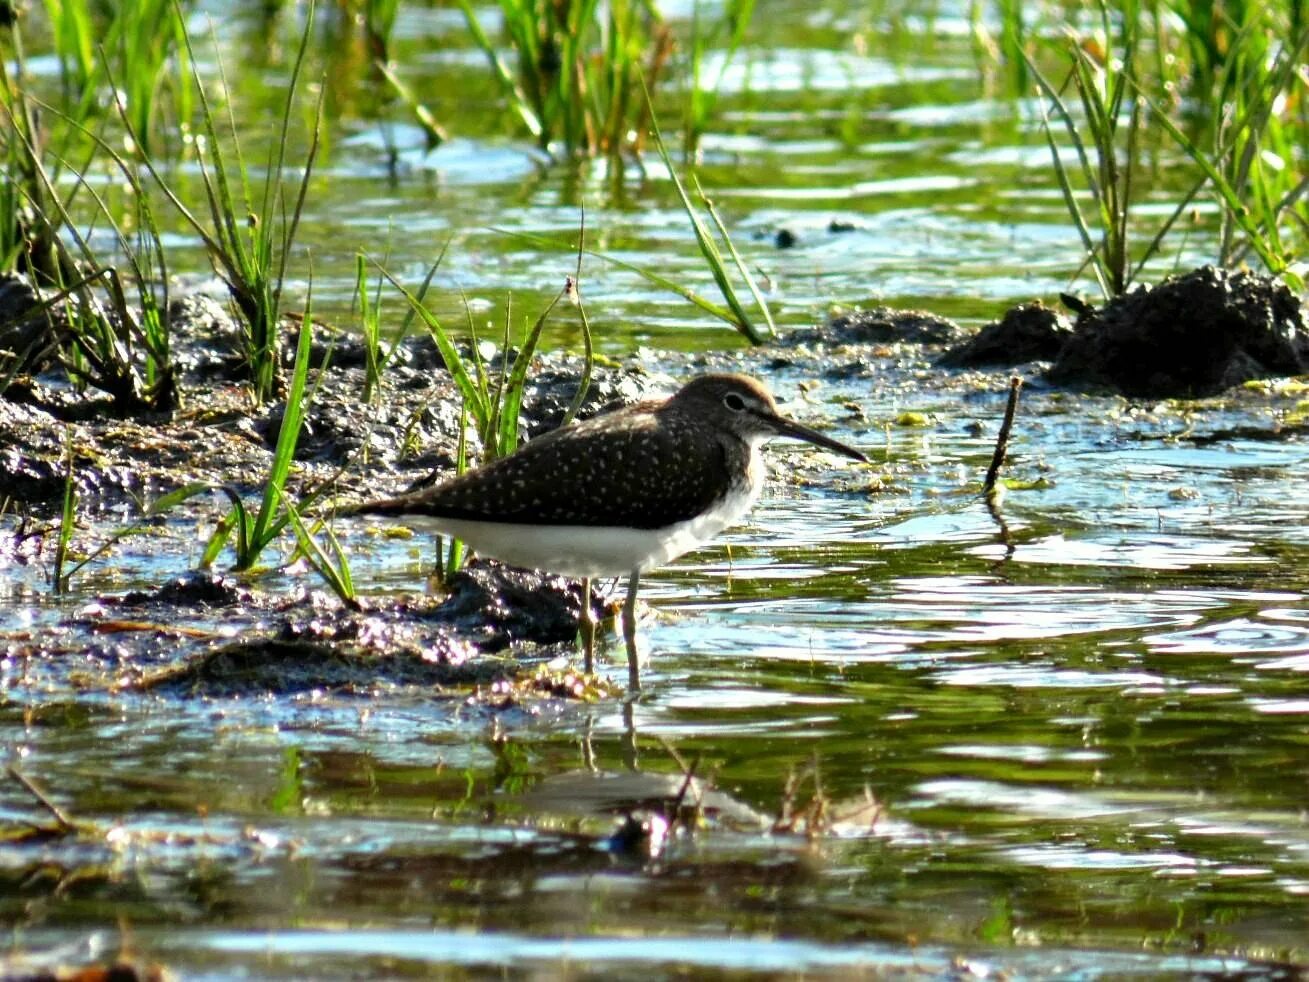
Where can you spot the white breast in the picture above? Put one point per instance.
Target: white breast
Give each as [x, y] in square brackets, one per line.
[595, 551]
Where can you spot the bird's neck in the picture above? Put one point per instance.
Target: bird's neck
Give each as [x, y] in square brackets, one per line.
[753, 470]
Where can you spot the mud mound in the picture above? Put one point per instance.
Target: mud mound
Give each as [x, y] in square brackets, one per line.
[881, 325]
[1028, 332]
[1192, 335]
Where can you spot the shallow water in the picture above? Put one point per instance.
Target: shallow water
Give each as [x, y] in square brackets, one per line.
[1085, 728]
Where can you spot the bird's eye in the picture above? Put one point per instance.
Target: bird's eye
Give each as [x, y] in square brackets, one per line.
[734, 402]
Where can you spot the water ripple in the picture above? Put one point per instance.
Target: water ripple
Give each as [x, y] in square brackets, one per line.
[1158, 552]
[1072, 857]
[1239, 636]
[1048, 677]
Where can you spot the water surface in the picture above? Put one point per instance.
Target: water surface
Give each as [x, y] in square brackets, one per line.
[1084, 728]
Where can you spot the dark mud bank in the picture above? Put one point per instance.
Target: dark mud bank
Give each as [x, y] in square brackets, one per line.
[1190, 336]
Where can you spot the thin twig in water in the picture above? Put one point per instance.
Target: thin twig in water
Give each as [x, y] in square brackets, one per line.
[814, 817]
[688, 785]
[1002, 441]
[681, 812]
[65, 823]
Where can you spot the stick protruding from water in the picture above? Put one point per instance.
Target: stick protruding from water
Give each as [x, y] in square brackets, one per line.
[1002, 440]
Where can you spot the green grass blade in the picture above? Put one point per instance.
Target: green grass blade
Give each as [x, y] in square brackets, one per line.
[290, 228]
[480, 378]
[277, 150]
[658, 279]
[166, 503]
[454, 556]
[266, 524]
[237, 518]
[573, 290]
[335, 569]
[370, 328]
[449, 353]
[222, 532]
[736, 258]
[708, 248]
[512, 397]
[407, 321]
[1061, 174]
[1230, 198]
[159, 506]
[67, 519]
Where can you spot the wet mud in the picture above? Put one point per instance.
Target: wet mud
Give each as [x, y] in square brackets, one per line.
[1193, 335]
[488, 624]
[1026, 333]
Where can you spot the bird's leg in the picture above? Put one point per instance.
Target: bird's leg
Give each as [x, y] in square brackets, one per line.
[629, 631]
[628, 744]
[586, 623]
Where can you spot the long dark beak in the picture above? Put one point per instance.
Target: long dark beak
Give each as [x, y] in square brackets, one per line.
[789, 427]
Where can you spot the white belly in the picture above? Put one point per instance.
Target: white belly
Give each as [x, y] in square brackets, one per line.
[580, 550]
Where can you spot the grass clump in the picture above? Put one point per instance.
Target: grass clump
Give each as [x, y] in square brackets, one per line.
[1104, 129]
[579, 69]
[102, 340]
[126, 348]
[249, 531]
[1249, 144]
[255, 531]
[1241, 127]
[121, 349]
[249, 236]
[491, 397]
[380, 345]
[252, 531]
[140, 43]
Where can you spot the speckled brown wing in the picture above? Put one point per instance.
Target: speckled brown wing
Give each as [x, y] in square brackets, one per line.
[636, 467]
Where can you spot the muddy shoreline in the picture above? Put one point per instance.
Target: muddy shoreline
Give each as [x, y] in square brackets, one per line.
[489, 623]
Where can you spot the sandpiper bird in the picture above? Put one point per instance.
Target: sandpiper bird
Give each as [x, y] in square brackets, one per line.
[619, 493]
